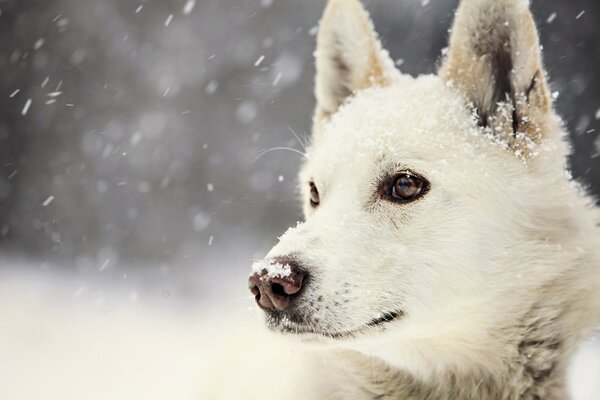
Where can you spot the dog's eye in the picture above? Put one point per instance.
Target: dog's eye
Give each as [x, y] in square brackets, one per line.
[407, 187]
[314, 195]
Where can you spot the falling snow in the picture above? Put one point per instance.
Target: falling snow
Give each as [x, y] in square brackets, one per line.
[39, 43]
[246, 111]
[211, 87]
[259, 60]
[201, 221]
[104, 265]
[189, 7]
[48, 201]
[26, 107]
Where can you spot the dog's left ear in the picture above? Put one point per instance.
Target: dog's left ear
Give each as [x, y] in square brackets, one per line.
[349, 57]
[495, 59]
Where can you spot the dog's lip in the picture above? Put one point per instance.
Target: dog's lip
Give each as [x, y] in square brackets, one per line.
[386, 317]
[383, 319]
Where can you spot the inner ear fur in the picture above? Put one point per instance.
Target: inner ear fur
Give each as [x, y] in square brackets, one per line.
[494, 57]
[349, 57]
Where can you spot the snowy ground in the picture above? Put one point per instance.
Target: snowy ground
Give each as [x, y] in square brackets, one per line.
[63, 341]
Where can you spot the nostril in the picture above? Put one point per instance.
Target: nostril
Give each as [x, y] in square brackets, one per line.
[278, 290]
[256, 292]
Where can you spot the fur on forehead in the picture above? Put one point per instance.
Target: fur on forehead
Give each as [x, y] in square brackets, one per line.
[409, 119]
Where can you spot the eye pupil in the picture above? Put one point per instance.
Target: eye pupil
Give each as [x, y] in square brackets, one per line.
[407, 187]
[314, 195]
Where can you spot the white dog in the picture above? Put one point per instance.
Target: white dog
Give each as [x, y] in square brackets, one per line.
[446, 253]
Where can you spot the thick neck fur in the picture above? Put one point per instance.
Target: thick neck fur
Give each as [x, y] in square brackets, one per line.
[532, 366]
[390, 384]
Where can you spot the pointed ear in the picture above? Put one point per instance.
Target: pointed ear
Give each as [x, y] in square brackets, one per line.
[348, 58]
[494, 57]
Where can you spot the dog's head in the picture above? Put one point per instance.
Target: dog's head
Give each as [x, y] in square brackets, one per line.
[424, 197]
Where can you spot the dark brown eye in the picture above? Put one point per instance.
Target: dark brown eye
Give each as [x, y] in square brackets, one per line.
[408, 187]
[314, 195]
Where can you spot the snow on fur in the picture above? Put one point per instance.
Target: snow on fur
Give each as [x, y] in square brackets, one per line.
[271, 270]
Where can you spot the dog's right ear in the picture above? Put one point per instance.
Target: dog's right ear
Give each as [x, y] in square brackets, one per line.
[349, 58]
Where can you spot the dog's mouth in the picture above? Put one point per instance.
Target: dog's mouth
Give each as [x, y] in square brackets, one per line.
[296, 325]
[385, 318]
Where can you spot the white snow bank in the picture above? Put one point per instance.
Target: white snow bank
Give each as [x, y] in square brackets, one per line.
[57, 343]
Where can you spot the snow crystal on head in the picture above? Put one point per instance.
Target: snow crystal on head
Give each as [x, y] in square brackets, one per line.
[408, 118]
[267, 269]
[293, 228]
[410, 106]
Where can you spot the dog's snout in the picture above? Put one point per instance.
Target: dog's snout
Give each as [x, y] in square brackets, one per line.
[277, 283]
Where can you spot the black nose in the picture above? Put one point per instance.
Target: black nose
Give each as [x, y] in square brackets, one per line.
[278, 287]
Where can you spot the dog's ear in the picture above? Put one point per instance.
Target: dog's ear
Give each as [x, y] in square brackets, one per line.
[349, 57]
[495, 58]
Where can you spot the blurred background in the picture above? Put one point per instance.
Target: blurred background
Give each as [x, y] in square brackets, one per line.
[135, 164]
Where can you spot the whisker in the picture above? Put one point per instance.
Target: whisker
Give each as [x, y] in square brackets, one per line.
[279, 148]
[302, 143]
